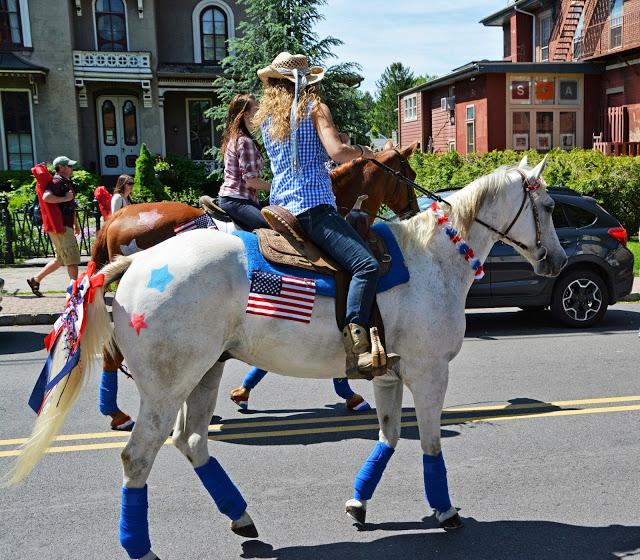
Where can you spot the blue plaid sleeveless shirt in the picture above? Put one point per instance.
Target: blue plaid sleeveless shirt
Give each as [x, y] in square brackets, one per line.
[310, 186]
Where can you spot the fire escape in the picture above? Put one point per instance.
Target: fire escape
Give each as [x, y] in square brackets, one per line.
[564, 33]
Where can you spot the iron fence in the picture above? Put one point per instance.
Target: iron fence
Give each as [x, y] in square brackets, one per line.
[20, 239]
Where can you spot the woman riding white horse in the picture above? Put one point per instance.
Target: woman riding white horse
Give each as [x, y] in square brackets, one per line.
[176, 331]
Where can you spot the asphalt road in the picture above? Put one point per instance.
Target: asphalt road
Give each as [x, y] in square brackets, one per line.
[543, 463]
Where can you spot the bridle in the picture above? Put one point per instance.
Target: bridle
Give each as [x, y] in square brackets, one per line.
[528, 187]
[412, 207]
[527, 193]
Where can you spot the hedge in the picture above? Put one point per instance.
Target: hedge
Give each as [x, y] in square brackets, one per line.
[614, 181]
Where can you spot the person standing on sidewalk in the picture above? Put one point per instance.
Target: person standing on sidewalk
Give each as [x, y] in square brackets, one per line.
[60, 192]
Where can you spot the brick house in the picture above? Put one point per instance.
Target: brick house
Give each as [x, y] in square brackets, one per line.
[93, 79]
[569, 78]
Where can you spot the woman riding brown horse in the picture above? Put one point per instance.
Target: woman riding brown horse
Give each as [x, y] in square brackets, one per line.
[141, 226]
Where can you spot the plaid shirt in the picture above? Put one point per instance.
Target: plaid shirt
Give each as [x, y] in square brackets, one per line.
[242, 160]
[311, 185]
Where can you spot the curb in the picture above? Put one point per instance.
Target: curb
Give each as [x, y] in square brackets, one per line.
[28, 319]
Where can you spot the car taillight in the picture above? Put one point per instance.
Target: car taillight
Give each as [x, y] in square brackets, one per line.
[619, 234]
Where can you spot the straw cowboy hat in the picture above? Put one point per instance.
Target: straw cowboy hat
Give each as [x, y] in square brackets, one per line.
[284, 64]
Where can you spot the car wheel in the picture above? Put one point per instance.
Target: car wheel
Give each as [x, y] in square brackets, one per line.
[579, 299]
[533, 308]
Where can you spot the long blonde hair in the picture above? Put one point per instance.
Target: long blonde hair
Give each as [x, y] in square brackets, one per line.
[276, 104]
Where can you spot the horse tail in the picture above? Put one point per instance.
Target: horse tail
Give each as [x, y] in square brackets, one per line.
[98, 333]
[100, 248]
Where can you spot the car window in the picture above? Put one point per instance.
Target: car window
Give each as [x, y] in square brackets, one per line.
[578, 217]
[559, 217]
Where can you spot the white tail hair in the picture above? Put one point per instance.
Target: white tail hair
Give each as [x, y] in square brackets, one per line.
[98, 334]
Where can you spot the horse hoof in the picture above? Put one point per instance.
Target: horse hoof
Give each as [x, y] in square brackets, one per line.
[357, 404]
[452, 523]
[357, 511]
[248, 531]
[244, 527]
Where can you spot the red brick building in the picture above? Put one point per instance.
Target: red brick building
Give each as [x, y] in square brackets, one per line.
[570, 77]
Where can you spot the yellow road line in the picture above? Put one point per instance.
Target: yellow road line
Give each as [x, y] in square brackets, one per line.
[339, 429]
[240, 424]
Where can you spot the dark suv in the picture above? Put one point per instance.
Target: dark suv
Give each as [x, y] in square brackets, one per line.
[598, 273]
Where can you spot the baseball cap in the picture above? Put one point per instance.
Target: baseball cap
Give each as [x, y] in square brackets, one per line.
[64, 160]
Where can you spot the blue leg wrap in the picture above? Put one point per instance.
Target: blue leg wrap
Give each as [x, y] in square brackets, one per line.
[371, 472]
[108, 395]
[134, 527]
[342, 388]
[253, 377]
[435, 482]
[224, 492]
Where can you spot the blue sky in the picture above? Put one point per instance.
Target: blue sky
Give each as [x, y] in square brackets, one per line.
[429, 36]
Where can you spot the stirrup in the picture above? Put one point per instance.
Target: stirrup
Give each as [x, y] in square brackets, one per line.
[210, 206]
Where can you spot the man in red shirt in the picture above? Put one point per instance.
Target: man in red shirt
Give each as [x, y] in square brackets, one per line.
[60, 191]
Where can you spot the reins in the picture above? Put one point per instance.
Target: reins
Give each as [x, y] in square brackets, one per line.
[527, 188]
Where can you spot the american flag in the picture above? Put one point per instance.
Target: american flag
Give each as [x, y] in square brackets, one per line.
[201, 222]
[282, 297]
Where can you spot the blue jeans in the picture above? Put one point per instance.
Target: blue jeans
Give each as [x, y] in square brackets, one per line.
[331, 232]
[244, 212]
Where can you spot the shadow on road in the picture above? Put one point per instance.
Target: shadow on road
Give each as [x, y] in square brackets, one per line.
[478, 540]
[20, 342]
[526, 323]
[322, 425]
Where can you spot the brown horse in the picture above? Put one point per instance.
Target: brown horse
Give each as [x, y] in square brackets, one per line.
[141, 226]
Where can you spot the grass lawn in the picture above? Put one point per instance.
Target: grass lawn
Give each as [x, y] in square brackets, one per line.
[635, 249]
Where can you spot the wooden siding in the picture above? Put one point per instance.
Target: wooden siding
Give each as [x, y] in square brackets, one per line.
[410, 131]
[471, 93]
[496, 111]
[442, 131]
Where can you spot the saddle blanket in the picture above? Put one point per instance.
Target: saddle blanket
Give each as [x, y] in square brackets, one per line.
[326, 284]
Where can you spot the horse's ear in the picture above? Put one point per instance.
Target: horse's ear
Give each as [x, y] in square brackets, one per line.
[523, 162]
[536, 172]
[407, 152]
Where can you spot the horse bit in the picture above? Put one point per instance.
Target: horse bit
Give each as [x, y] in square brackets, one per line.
[527, 187]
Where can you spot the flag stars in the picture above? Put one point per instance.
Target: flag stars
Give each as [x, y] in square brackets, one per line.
[160, 278]
[137, 323]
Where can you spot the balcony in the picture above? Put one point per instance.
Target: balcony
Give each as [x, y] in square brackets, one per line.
[109, 65]
[599, 39]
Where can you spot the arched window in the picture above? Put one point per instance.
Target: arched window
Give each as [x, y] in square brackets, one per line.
[214, 35]
[213, 24]
[111, 25]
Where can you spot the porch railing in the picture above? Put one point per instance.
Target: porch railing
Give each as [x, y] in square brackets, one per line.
[20, 239]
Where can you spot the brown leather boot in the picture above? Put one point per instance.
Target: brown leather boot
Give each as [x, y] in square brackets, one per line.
[365, 360]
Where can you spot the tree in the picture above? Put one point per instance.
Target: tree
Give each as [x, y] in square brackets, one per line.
[395, 78]
[273, 26]
[146, 186]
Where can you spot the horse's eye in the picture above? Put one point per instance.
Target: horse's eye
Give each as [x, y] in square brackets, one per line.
[549, 206]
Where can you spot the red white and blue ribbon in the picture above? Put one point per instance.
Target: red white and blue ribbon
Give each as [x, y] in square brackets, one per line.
[72, 322]
[463, 247]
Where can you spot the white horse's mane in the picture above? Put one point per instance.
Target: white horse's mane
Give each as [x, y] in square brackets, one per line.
[416, 232]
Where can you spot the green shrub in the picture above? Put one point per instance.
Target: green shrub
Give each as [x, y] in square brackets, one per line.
[613, 181]
[10, 180]
[147, 187]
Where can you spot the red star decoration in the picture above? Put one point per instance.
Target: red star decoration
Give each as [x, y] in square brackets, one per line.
[137, 322]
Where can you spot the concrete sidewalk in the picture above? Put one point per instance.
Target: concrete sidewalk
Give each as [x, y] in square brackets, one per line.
[21, 307]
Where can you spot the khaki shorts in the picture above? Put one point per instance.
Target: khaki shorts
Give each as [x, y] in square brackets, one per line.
[66, 247]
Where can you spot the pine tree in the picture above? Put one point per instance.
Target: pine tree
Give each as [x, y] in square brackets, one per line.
[273, 26]
[395, 79]
[146, 186]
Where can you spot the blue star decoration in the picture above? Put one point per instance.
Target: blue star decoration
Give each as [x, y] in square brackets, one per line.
[160, 278]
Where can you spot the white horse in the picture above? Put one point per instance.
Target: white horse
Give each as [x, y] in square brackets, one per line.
[175, 330]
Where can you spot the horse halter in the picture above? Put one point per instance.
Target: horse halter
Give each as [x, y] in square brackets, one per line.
[527, 192]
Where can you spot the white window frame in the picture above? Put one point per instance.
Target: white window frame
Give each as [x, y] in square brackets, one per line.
[188, 117]
[3, 139]
[126, 26]
[541, 19]
[452, 146]
[469, 121]
[556, 109]
[195, 24]
[24, 22]
[412, 114]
